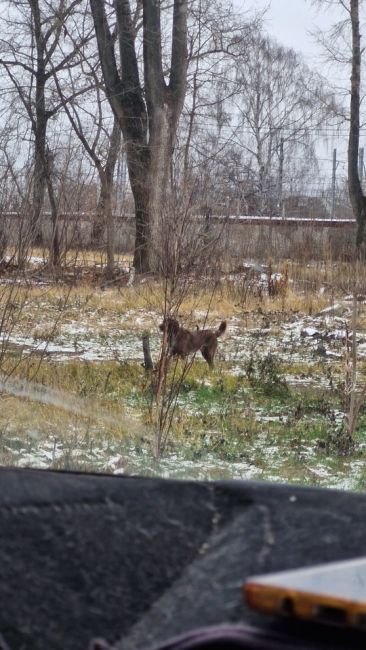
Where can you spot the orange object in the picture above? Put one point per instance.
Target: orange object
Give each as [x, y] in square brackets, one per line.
[333, 593]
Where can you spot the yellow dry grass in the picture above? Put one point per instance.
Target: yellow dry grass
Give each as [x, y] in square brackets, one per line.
[311, 287]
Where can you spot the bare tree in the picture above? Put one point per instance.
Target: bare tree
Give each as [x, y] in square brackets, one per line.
[342, 45]
[280, 102]
[191, 260]
[213, 36]
[251, 106]
[37, 35]
[148, 111]
[357, 197]
[102, 146]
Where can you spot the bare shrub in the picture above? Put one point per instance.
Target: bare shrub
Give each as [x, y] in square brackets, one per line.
[189, 257]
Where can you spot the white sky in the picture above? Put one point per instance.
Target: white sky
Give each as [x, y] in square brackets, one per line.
[291, 21]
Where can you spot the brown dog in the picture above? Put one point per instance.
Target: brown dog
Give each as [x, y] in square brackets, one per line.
[182, 342]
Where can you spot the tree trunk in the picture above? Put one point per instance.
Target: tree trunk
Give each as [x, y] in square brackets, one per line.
[148, 362]
[161, 146]
[108, 219]
[55, 247]
[149, 174]
[103, 227]
[39, 126]
[148, 113]
[39, 180]
[104, 218]
[357, 197]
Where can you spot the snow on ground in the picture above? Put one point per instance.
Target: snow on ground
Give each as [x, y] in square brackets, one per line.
[305, 341]
[119, 458]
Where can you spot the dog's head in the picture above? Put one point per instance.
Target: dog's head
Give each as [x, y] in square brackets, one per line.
[169, 325]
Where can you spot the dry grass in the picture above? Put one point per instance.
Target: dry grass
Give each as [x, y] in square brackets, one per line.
[76, 258]
[334, 277]
[57, 300]
[306, 281]
[102, 397]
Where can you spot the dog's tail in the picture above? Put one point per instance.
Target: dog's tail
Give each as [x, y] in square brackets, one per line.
[222, 328]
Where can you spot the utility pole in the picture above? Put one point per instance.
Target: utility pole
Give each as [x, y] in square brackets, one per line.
[332, 214]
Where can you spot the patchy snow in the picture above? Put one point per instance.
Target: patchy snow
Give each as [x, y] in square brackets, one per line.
[268, 460]
[338, 308]
[310, 331]
[119, 338]
[311, 342]
[337, 334]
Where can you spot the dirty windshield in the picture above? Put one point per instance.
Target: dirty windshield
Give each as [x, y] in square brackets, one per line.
[182, 238]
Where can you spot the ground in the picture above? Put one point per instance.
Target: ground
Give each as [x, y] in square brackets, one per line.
[76, 395]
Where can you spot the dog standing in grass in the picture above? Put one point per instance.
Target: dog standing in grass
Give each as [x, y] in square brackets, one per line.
[182, 342]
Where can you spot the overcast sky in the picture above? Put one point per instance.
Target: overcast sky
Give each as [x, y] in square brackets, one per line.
[291, 21]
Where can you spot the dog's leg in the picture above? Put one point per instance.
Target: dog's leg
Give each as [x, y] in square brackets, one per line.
[208, 356]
